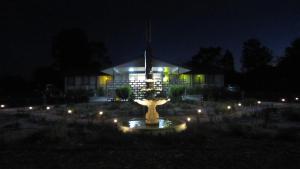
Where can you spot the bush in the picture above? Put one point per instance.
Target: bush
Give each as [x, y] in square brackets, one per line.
[209, 93]
[78, 95]
[291, 114]
[124, 92]
[249, 102]
[176, 91]
[196, 90]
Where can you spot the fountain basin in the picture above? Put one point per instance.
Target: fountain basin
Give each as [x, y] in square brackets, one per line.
[139, 125]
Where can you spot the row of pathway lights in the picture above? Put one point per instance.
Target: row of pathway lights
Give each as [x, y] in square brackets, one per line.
[284, 100]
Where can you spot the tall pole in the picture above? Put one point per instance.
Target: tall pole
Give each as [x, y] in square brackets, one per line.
[148, 57]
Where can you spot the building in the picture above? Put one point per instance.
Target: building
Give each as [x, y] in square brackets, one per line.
[133, 74]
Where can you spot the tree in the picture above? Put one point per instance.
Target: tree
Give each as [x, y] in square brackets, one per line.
[288, 67]
[291, 62]
[72, 50]
[227, 62]
[255, 56]
[207, 57]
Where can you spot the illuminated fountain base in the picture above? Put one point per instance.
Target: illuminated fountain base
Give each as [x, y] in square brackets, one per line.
[152, 123]
[152, 117]
[138, 125]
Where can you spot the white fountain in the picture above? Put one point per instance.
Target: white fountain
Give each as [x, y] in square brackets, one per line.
[152, 122]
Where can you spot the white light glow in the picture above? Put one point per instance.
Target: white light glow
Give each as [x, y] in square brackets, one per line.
[199, 111]
[48, 108]
[30, 108]
[188, 119]
[258, 102]
[228, 107]
[70, 111]
[100, 113]
[283, 100]
[131, 69]
[297, 98]
[240, 104]
[160, 69]
[2, 105]
[115, 120]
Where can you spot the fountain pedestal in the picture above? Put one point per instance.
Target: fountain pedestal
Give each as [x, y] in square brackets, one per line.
[152, 116]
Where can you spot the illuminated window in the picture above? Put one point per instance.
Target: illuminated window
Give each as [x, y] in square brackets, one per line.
[136, 77]
[199, 79]
[104, 80]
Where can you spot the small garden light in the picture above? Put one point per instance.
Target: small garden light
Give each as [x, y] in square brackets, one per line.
[199, 111]
[228, 107]
[100, 113]
[258, 102]
[70, 111]
[48, 108]
[115, 120]
[297, 98]
[283, 100]
[2, 106]
[240, 104]
[188, 119]
[30, 108]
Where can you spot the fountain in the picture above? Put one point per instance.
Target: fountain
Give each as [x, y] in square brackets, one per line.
[152, 122]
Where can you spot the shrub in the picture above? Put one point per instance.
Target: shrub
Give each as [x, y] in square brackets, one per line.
[176, 91]
[196, 90]
[249, 102]
[291, 114]
[124, 92]
[78, 95]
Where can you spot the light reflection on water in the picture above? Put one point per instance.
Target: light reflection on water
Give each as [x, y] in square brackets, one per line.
[137, 123]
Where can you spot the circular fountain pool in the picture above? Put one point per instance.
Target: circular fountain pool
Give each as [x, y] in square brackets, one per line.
[138, 125]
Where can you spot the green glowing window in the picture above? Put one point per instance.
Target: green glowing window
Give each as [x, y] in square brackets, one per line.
[199, 79]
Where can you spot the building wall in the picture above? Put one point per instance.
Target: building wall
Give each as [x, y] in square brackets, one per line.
[80, 82]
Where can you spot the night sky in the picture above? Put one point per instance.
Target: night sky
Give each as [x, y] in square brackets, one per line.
[179, 28]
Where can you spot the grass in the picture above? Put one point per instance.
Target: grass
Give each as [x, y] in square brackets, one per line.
[234, 143]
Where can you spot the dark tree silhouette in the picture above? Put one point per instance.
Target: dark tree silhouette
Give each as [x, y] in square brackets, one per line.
[227, 62]
[207, 58]
[73, 51]
[288, 67]
[255, 55]
[99, 54]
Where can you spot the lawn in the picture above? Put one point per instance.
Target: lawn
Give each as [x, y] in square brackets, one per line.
[34, 140]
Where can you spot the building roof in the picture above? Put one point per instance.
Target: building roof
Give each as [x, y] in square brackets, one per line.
[139, 65]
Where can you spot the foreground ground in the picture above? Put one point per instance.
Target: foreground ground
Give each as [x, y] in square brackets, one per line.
[28, 141]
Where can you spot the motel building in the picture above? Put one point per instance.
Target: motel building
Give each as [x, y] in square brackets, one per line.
[133, 74]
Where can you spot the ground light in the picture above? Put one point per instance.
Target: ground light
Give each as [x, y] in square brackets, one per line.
[258, 102]
[115, 120]
[70, 111]
[2, 106]
[240, 104]
[30, 108]
[48, 108]
[100, 113]
[199, 111]
[188, 119]
[283, 100]
[228, 107]
[297, 98]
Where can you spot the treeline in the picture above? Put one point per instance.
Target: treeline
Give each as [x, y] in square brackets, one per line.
[260, 70]
[74, 53]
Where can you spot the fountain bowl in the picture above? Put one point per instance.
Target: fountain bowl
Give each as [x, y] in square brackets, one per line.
[139, 126]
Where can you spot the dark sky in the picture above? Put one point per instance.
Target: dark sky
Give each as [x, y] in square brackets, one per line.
[179, 28]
